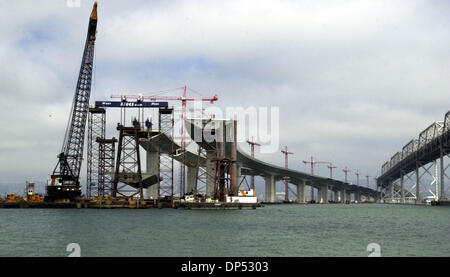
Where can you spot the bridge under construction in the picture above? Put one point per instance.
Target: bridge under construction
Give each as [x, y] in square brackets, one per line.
[215, 169]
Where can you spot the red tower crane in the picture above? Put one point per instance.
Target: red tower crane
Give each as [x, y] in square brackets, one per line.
[346, 171]
[313, 164]
[368, 184]
[357, 177]
[331, 166]
[286, 179]
[184, 99]
[252, 146]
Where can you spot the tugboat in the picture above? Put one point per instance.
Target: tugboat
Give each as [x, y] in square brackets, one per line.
[31, 195]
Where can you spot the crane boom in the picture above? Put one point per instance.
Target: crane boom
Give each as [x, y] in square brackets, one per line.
[64, 182]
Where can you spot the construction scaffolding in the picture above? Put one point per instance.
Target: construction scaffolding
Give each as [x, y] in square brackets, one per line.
[128, 164]
[106, 165]
[96, 130]
[166, 124]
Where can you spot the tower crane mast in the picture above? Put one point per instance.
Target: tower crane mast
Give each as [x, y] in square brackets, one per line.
[64, 182]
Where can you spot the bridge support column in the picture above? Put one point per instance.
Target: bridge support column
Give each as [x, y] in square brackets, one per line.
[270, 189]
[357, 196]
[336, 196]
[238, 174]
[153, 169]
[322, 195]
[417, 184]
[330, 193]
[402, 189]
[210, 173]
[343, 196]
[301, 197]
[391, 192]
[192, 179]
[442, 175]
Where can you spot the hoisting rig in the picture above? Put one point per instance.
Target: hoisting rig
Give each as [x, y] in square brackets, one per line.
[64, 183]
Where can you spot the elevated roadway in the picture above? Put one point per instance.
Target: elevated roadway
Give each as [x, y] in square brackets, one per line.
[252, 166]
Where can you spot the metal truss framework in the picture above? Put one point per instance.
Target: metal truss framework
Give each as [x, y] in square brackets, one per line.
[166, 126]
[421, 169]
[128, 165]
[96, 129]
[215, 168]
[106, 165]
[205, 171]
[222, 179]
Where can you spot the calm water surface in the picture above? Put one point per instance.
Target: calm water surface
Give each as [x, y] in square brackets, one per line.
[275, 230]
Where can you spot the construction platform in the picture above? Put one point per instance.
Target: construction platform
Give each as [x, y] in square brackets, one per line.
[220, 206]
[109, 204]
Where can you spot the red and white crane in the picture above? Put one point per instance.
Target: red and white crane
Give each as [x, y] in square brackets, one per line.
[286, 179]
[368, 184]
[331, 167]
[346, 171]
[313, 164]
[357, 177]
[252, 144]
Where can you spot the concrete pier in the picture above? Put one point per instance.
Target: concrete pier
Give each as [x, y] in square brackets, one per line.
[336, 196]
[192, 179]
[357, 196]
[343, 193]
[210, 173]
[238, 173]
[322, 195]
[153, 169]
[301, 190]
[270, 189]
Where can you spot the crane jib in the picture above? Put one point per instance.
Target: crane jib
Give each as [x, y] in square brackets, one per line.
[64, 183]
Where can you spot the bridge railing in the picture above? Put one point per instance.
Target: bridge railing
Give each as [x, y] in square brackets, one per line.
[410, 148]
[384, 168]
[395, 159]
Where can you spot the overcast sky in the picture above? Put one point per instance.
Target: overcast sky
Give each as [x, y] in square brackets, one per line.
[354, 80]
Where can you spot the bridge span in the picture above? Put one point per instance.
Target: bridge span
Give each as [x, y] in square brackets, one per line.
[246, 166]
[419, 172]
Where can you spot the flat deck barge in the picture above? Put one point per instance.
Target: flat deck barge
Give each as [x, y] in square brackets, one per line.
[129, 205]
